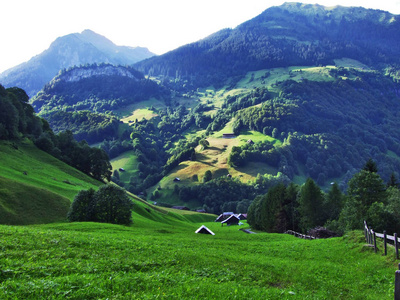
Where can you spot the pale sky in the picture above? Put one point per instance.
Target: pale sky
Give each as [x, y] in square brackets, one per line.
[27, 27]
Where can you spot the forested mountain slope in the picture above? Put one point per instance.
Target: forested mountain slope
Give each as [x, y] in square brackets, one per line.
[291, 34]
[74, 49]
[330, 107]
[87, 95]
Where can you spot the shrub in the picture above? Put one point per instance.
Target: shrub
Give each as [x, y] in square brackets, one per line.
[110, 204]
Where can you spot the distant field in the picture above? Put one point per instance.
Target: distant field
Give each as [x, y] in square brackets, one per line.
[215, 159]
[128, 162]
[139, 114]
[130, 109]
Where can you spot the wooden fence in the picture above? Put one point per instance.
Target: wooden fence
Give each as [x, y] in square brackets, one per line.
[370, 237]
[300, 235]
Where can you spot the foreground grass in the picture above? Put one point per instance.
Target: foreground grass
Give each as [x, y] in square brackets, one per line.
[152, 260]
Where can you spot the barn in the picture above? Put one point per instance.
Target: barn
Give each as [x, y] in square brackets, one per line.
[203, 229]
[232, 220]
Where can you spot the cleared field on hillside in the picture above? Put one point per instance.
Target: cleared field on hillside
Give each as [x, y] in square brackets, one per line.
[34, 186]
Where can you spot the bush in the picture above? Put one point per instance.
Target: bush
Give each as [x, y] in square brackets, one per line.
[110, 204]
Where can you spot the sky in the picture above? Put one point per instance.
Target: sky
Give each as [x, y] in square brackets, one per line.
[28, 27]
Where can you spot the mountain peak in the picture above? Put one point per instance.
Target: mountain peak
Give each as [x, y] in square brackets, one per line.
[87, 47]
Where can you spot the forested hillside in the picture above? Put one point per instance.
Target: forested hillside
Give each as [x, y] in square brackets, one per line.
[287, 35]
[301, 91]
[18, 121]
[87, 96]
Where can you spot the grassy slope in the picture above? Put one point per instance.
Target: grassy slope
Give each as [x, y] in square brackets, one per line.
[127, 161]
[34, 186]
[168, 260]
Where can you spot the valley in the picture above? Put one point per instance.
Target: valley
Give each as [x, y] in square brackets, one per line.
[291, 118]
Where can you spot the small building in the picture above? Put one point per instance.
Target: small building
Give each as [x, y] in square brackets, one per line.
[122, 169]
[228, 135]
[177, 179]
[200, 211]
[223, 216]
[250, 142]
[242, 216]
[232, 220]
[181, 207]
[203, 229]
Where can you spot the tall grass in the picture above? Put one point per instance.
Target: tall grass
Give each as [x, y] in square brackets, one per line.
[168, 260]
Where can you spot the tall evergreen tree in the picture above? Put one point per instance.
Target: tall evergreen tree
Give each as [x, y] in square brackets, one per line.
[334, 202]
[310, 201]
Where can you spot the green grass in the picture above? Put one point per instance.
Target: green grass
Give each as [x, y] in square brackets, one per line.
[256, 137]
[152, 260]
[34, 186]
[127, 161]
[28, 165]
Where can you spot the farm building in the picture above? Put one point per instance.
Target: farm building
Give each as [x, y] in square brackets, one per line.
[181, 207]
[203, 229]
[228, 135]
[223, 216]
[242, 216]
[232, 220]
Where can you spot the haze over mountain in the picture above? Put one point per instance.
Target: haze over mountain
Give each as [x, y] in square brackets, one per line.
[291, 34]
[74, 49]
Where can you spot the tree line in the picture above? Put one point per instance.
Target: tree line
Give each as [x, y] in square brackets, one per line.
[301, 208]
[18, 120]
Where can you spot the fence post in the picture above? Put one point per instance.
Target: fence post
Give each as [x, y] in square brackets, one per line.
[385, 241]
[375, 249]
[370, 241]
[365, 231]
[396, 245]
[397, 285]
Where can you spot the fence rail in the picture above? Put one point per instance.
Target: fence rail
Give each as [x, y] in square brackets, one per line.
[300, 235]
[370, 237]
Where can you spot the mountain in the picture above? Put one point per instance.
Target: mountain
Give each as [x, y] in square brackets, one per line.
[301, 90]
[74, 49]
[88, 94]
[287, 35]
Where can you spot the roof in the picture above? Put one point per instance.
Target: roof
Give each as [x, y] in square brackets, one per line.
[204, 229]
[231, 219]
[180, 207]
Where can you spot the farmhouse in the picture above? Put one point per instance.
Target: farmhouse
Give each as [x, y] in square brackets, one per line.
[232, 220]
[203, 229]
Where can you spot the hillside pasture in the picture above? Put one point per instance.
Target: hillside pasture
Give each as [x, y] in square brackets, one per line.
[24, 163]
[128, 162]
[169, 261]
[35, 187]
[268, 78]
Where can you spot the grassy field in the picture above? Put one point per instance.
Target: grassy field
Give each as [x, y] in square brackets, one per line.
[163, 258]
[127, 161]
[215, 159]
[34, 186]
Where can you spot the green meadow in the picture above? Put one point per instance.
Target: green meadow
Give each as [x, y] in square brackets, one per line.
[34, 186]
[161, 257]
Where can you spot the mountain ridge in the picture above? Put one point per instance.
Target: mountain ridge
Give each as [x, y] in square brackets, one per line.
[83, 48]
[282, 36]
